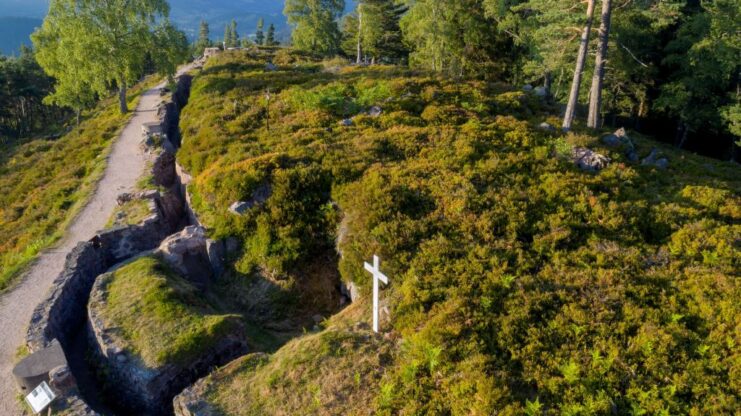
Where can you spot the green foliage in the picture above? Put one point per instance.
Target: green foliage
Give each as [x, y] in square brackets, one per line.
[203, 41]
[520, 284]
[90, 46]
[174, 324]
[23, 86]
[314, 24]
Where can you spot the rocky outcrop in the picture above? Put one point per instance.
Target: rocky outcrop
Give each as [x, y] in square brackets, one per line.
[142, 389]
[188, 253]
[589, 160]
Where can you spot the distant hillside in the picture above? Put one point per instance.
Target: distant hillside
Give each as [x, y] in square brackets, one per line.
[15, 31]
[187, 14]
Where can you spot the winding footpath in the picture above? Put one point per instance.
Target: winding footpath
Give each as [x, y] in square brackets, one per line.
[125, 166]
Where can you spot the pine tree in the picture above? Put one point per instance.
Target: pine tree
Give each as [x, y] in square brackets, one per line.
[234, 34]
[227, 36]
[203, 41]
[595, 95]
[379, 30]
[270, 40]
[259, 35]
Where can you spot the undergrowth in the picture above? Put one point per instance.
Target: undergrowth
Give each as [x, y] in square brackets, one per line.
[519, 283]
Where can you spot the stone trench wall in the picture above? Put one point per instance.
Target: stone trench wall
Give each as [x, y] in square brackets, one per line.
[65, 307]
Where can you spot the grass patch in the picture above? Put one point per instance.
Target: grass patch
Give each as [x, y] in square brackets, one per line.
[45, 183]
[327, 373]
[172, 322]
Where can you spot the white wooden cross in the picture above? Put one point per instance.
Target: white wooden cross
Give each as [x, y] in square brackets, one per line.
[375, 270]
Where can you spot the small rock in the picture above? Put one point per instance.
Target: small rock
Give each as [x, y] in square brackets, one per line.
[527, 87]
[317, 318]
[347, 122]
[651, 158]
[375, 111]
[546, 127]
[632, 156]
[239, 207]
[589, 160]
[270, 67]
[540, 92]
[662, 163]
[123, 198]
[121, 358]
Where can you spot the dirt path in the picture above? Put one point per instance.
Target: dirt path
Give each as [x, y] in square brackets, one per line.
[125, 165]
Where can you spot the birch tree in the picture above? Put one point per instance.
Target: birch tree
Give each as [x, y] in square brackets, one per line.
[104, 43]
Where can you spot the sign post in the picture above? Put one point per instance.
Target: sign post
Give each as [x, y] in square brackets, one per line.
[40, 397]
[375, 270]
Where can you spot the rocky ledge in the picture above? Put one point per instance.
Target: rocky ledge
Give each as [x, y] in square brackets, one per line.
[146, 385]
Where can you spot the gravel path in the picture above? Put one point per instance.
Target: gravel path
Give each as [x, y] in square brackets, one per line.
[125, 165]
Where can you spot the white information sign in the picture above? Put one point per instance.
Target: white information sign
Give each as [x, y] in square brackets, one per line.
[40, 397]
[375, 270]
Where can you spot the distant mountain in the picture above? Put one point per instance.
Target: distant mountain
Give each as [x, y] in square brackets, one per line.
[15, 31]
[187, 14]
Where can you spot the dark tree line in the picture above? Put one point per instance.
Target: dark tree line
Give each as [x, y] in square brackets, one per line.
[23, 86]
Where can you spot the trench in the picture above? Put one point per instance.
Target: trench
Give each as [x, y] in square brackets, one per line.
[98, 394]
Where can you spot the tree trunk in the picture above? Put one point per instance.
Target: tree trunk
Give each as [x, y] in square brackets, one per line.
[78, 116]
[568, 117]
[595, 101]
[360, 31]
[122, 98]
[547, 82]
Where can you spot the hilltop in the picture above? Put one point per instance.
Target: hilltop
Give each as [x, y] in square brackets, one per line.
[520, 283]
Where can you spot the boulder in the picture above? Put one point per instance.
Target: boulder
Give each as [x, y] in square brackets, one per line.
[258, 197]
[375, 111]
[239, 207]
[589, 160]
[187, 252]
[541, 92]
[653, 159]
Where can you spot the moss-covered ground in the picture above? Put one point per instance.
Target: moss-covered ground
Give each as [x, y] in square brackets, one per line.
[519, 283]
[163, 318]
[45, 182]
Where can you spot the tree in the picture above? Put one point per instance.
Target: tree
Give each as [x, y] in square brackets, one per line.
[454, 37]
[378, 32]
[203, 41]
[90, 46]
[314, 24]
[259, 35]
[595, 95]
[234, 39]
[270, 40]
[581, 57]
[702, 88]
